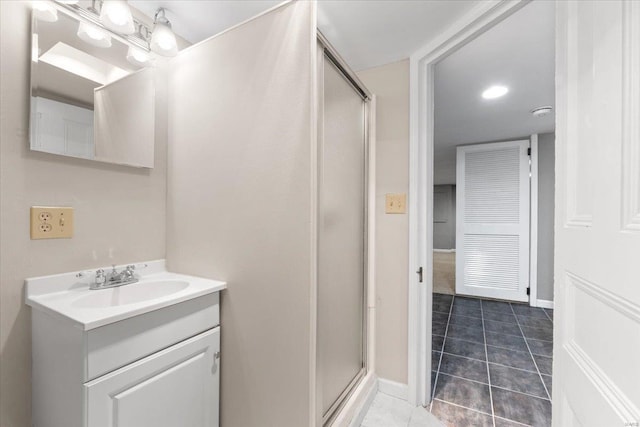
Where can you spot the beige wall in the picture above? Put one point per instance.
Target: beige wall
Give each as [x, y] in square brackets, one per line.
[119, 212]
[390, 83]
[240, 205]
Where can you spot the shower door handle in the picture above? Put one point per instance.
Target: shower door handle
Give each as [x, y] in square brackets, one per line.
[419, 272]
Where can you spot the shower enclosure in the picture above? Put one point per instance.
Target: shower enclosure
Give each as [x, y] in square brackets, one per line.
[342, 230]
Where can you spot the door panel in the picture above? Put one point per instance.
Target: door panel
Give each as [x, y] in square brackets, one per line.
[492, 220]
[174, 387]
[341, 264]
[597, 268]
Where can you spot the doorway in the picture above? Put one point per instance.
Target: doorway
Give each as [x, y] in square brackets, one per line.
[481, 151]
[595, 216]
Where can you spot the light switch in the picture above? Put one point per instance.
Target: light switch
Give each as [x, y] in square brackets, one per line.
[51, 222]
[396, 203]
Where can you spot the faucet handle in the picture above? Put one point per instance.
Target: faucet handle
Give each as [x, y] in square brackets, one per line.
[101, 278]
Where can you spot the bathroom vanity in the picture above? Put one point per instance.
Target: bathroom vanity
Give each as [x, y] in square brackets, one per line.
[142, 354]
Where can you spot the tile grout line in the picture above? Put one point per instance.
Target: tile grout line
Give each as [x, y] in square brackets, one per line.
[531, 354]
[444, 340]
[547, 314]
[494, 363]
[463, 407]
[494, 386]
[481, 412]
[504, 348]
[486, 354]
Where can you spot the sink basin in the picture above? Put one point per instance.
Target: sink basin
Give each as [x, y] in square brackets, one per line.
[130, 294]
[68, 297]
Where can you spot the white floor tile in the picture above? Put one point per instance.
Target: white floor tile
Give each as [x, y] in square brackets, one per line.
[420, 417]
[387, 411]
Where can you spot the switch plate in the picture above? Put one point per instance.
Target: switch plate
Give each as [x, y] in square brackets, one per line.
[51, 222]
[396, 203]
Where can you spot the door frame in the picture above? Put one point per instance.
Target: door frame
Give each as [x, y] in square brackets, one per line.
[478, 20]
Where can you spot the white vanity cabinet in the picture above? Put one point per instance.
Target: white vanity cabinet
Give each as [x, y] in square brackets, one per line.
[174, 387]
[153, 365]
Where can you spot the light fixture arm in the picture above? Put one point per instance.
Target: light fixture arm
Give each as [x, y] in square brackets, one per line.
[161, 17]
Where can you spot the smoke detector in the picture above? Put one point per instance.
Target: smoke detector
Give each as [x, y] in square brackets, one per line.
[542, 111]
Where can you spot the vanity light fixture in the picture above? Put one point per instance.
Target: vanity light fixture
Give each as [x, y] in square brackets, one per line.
[138, 56]
[93, 35]
[45, 11]
[116, 15]
[494, 92]
[163, 41]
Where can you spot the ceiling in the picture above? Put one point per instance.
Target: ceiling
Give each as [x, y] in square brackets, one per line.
[518, 53]
[367, 33]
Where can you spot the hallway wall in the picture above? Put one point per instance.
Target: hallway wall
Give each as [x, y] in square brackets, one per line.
[390, 83]
[546, 211]
[444, 216]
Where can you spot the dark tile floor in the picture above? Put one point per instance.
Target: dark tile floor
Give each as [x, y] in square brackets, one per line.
[491, 363]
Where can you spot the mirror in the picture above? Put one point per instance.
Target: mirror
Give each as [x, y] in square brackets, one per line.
[90, 97]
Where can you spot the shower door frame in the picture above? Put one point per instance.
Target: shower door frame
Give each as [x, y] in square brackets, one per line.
[335, 411]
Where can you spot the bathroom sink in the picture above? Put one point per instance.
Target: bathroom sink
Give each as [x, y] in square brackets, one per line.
[68, 295]
[130, 294]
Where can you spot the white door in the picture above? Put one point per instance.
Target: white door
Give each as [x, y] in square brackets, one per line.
[178, 386]
[492, 220]
[597, 261]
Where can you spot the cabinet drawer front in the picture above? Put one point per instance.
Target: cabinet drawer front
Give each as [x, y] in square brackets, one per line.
[178, 386]
[113, 346]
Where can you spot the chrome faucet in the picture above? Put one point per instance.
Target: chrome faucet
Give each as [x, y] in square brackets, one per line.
[114, 278]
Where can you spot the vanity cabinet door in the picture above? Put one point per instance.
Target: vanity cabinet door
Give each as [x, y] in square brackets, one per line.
[178, 386]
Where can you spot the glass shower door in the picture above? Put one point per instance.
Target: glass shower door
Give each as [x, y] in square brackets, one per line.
[342, 245]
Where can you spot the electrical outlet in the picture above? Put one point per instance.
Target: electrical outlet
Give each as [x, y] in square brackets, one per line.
[51, 222]
[395, 203]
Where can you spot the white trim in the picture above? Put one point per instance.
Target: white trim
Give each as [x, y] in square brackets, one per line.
[393, 388]
[358, 404]
[622, 404]
[543, 303]
[482, 17]
[533, 224]
[446, 251]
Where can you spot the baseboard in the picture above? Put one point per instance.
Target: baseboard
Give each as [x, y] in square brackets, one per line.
[356, 408]
[543, 303]
[392, 388]
[447, 251]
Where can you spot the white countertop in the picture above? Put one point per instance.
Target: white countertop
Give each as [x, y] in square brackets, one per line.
[68, 295]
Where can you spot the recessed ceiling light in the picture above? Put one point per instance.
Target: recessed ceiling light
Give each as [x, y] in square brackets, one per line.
[542, 111]
[495, 92]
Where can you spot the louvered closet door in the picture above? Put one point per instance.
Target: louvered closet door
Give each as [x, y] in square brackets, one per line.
[492, 220]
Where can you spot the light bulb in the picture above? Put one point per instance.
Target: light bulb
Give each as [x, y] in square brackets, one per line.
[138, 56]
[93, 35]
[45, 11]
[116, 15]
[163, 41]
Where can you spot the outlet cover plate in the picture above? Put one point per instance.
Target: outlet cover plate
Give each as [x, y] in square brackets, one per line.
[396, 203]
[49, 222]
